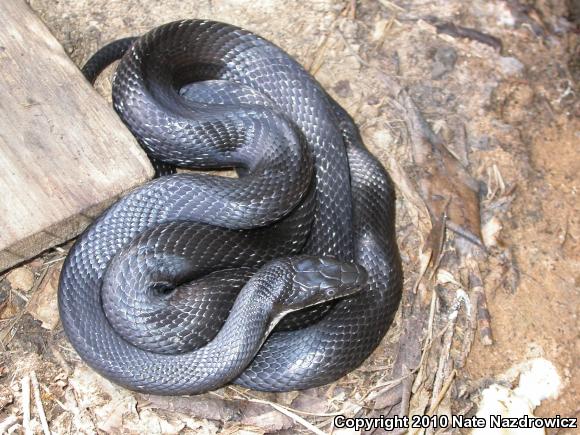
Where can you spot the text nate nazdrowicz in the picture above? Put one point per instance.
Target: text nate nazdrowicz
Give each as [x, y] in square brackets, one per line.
[455, 421]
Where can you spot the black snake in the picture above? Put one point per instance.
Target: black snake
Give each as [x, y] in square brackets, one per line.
[146, 289]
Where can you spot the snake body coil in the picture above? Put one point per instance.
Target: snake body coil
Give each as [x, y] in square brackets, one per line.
[137, 286]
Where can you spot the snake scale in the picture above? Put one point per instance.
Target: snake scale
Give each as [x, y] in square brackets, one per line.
[282, 278]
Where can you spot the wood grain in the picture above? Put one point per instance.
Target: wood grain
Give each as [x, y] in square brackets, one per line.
[64, 153]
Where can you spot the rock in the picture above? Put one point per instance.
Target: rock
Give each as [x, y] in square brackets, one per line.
[510, 66]
[538, 380]
[443, 62]
[342, 88]
[21, 279]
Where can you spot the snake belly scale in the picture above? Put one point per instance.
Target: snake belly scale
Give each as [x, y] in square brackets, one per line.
[286, 277]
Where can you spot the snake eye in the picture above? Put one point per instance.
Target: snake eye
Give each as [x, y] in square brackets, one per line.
[330, 292]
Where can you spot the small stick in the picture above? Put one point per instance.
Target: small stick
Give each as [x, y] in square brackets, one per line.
[292, 415]
[20, 295]
[390, 5]
[471, 313]
[26, 405]
[386, 29]
[58, 356]
[249, 398]
[318, 58]
[352, 50]
[437, 400]
[352, 9]
[483, 317]
[445, 361]
[465, 32]
[54, 260]
[58, 402]
[38, 403]
[442, 394]
[407, 387]
[10, 421]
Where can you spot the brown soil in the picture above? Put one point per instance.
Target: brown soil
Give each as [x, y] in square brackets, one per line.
[540, 318]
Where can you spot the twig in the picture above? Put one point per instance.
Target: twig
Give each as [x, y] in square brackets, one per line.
[351, 7]
[444, 357]
[465, 32]
[385, 386]
[483, 318]
[10, 421]
[392, 6]
[374, 369]
[481, 315]
[58, 402]
[566, 233]
[423, 267]
[419, 379]
[26, 405]
[437, 400]
[20, 295]
[406, 392]
[318, 58]
[58, 356]
[284, 410]
[38, 404]
[386, 29]
[438, 252]
[54, 260]
[246, 396]
[290, 414]
[442, 394]
[77, 413]
[352, 50]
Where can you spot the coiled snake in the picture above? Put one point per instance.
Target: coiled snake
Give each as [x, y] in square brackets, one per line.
[151, 282]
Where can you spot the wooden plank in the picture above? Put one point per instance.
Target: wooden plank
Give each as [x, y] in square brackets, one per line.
[64, 153]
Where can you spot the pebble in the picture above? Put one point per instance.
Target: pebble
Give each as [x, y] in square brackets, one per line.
[342, 88]
[444, 62]
[510, 66]
[21, 279]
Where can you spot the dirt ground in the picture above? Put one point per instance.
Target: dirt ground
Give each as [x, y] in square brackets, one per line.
[497, 82]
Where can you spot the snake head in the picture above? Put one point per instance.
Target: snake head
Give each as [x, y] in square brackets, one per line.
[316, 280]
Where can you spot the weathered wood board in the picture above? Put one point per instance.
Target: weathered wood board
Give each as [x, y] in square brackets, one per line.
[64, 154]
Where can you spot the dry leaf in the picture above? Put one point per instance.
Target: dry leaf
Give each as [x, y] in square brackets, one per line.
[264, 417]
[309, 401]
[446, 277]
[7, 310]
[6, 397]
[490, 232]
[110, 416]
[43, 304]
[209, 407]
